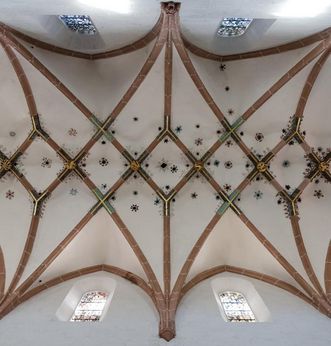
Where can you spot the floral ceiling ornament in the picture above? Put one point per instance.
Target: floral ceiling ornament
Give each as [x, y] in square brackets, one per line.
[134, 207]
[73, 192]
[178, 129]
[258, 194]
[46, 162]
[10, 194]
[198, 166]
[261, 167]
[70, 165]
[103, 162]
[72, 132]
[5, 165]
[259, 137]
[173, 169]
[135, 165]
[318, 194]
[222, 67]
[165, 35]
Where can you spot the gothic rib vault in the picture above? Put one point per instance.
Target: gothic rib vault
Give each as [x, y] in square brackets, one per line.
[193, 172]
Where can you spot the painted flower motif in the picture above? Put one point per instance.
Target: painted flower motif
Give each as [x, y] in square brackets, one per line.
[10, 194]
[134, 207]
[73, 192]
[230, 111]
[104, 187]
[72, 132]
[318, 194]
[228, 164]
[259, 136]
[222, 67]
[173, 169]
[258, 194]
[227, 187]
[103, 162]
[198, 141]
[178, 129]
[216, 163]
[229, 143]
[45, 162]
[157, 201]
[194, 195]
[286, 163]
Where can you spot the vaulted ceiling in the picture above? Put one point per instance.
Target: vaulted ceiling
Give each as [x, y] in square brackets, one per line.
[165, 164]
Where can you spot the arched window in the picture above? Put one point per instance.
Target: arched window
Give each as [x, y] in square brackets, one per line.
[90, 306]
[236, 307]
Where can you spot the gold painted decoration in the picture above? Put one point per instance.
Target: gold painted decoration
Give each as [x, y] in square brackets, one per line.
[135, 165]
[323, 166]
[261, 167]
[70, 165]
[5, 165]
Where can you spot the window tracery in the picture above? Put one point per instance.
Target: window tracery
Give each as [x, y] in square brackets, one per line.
[236, 307]
[90, 307]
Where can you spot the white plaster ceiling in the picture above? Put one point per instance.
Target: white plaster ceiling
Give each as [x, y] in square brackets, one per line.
[121, 25]
[100, 85]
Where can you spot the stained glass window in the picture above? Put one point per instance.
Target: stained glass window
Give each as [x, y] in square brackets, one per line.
[236, 307]
[90, 307]
[231, 27]
[79, 23]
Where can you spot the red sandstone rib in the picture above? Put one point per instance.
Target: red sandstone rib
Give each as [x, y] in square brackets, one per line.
[2, 275]
[142, 42]
[245, 272]
[303, 254]
[259, 53]
[327, 273]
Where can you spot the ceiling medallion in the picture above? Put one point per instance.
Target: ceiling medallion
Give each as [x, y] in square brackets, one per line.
[198, 166]
[135, 165]
[323, 166]
[5, 165]
[70, 165]
[10, 194]
[261, 167]
[171, 7]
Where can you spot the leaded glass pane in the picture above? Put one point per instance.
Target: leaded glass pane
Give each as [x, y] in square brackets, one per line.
[90, 307]
[236, 308]
[231, 27]
[79, 23]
